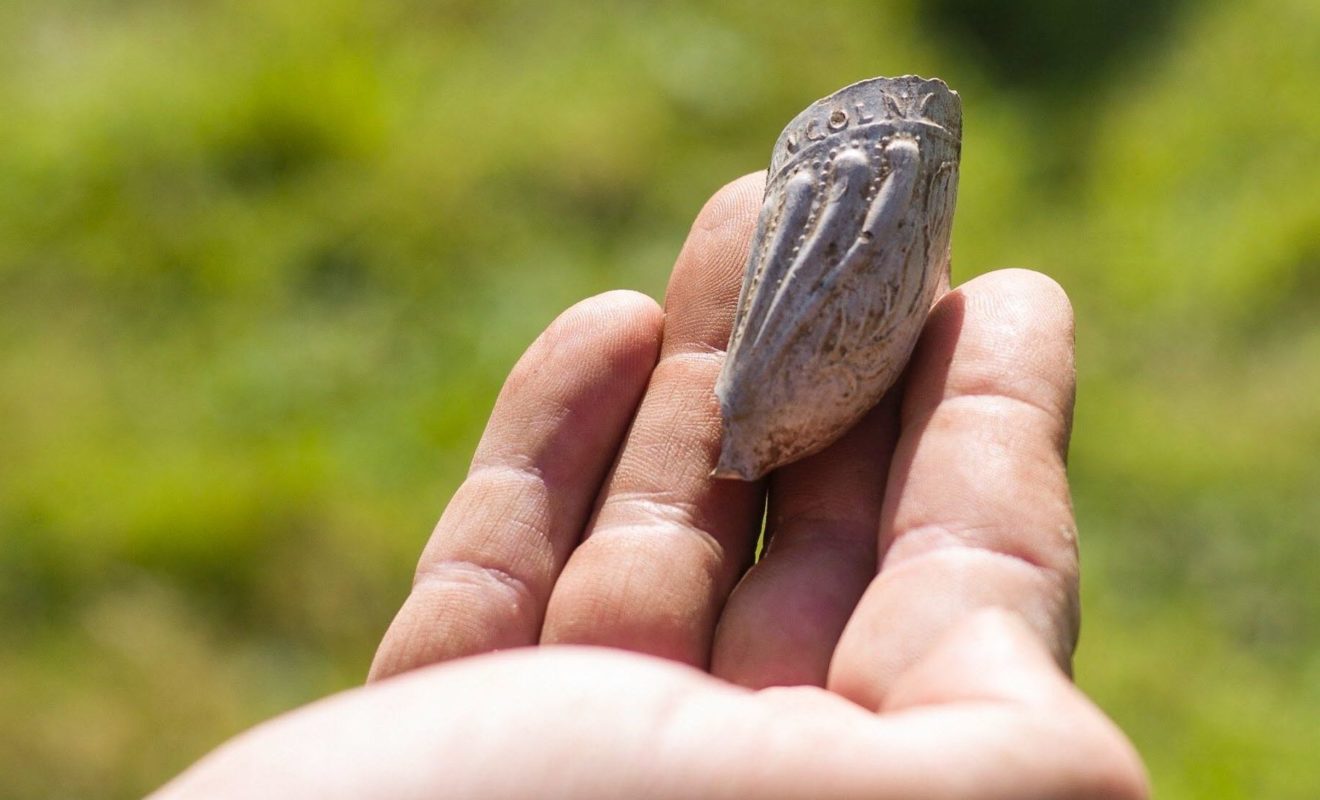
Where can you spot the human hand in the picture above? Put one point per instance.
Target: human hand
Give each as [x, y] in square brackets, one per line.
[916, 608]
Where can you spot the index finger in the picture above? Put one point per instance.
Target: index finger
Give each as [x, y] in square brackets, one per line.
[977, 511]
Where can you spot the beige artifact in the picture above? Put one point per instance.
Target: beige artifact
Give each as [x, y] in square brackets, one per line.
[850, 248]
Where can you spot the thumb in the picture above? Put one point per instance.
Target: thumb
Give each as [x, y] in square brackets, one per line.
[991, 656]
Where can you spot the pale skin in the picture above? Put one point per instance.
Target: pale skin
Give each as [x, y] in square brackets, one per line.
[585, 621]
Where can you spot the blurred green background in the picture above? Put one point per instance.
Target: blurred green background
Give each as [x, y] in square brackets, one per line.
[263, 265]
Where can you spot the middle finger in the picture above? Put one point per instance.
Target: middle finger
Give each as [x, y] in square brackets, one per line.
[668, 541]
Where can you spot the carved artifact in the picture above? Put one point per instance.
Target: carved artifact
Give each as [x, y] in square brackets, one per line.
[851, 246]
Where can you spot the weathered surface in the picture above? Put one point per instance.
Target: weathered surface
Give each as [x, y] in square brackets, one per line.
[850, 248]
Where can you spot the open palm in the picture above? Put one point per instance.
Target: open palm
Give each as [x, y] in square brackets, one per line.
[906, 633]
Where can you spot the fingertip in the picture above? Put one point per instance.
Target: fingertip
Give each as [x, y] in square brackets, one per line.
[624, 307]
[1029, 306]
[616, 333]
[703, 288]
[628, 317]
[734, 201]
[1028, 283]
[634, 321]
[1007, 333]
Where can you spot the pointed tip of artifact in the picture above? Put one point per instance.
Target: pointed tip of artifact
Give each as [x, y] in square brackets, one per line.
[726, 470]
[735, 463]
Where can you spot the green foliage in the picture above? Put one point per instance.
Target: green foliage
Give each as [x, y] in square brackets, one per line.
[263, 266]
